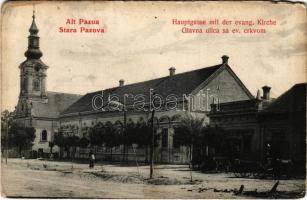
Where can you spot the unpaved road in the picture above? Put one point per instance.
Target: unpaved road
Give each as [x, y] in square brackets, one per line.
[34, 178]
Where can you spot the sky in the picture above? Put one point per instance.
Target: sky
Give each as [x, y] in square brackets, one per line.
[141, 43]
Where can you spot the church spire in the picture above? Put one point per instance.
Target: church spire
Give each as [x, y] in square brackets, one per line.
[33, 29]
[33, 51]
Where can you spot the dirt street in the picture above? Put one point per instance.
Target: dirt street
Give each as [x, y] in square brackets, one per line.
[36, 178]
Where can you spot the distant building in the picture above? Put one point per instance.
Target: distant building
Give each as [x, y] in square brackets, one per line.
[283, 124]
[192, 92]
[253, 125]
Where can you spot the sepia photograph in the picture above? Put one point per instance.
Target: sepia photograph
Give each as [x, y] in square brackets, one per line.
[153, 100]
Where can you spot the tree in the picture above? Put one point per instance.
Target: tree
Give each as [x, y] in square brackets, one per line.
[21, 137]
[130, 134]
[213, 137]
[83, 142]
[6, 121]
[51, 145]
[127, 138]
[141, 136]
[72, 141]
[138, 133]
[6, 116]
[112, 136]
[96, 135]
[188, 133]
[59, 140]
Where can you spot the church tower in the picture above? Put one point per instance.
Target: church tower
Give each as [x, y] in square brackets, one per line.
[33, 72]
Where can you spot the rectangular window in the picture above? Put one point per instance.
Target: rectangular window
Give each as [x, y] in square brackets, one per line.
[44, 136]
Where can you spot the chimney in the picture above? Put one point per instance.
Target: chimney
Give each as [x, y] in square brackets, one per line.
[266, 92]
[258, 95]
[172, 71]
[121, 82]
[225, 59]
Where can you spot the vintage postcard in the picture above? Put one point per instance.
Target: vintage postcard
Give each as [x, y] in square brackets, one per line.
[153, 100]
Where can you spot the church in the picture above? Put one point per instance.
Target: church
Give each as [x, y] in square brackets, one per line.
[50, 112]
[36, 106]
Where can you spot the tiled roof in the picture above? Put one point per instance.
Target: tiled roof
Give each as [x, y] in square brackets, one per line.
[292, 100]
[57, 103]
[179, 84]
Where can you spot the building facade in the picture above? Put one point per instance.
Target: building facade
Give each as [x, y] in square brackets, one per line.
[283, 125]
[240, 119]
[257, 126]
[176, 95]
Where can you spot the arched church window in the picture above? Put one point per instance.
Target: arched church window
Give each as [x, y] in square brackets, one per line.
[44, 136]
[36, 85]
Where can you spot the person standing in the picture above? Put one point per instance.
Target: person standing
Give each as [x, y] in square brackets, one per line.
[92, 159]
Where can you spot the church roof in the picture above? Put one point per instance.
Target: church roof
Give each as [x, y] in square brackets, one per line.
[57, 103]
[179, 84]
[293, 100]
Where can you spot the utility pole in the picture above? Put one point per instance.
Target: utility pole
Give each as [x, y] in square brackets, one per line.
[124, 132]
[152, 141]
